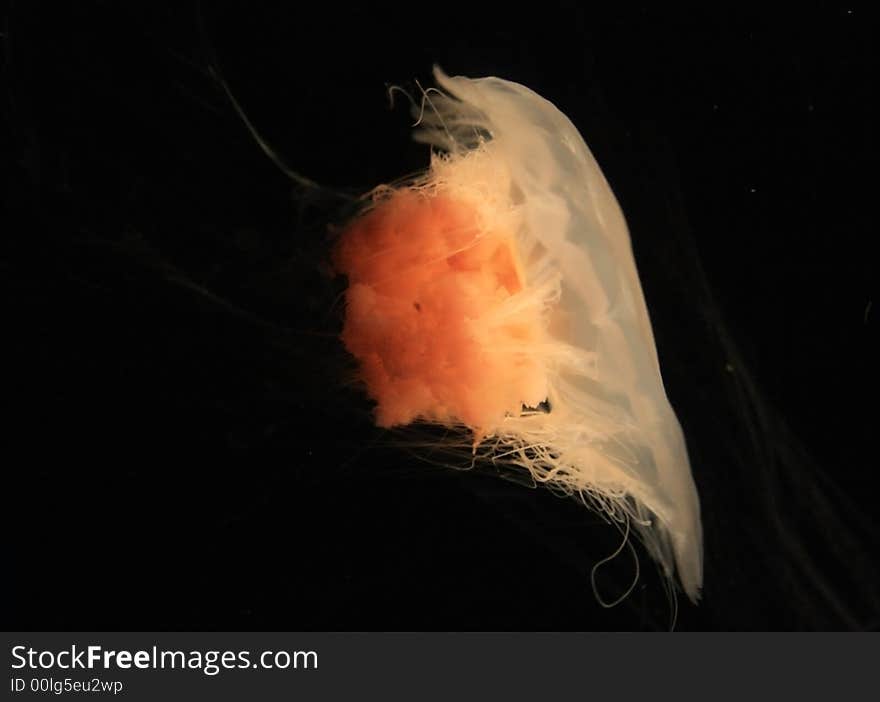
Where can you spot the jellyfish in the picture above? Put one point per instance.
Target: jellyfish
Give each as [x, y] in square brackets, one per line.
[497, 292]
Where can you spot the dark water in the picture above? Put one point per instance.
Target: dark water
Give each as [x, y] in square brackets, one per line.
[182, 448]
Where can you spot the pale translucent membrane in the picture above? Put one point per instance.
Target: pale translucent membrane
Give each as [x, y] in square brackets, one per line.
[611, 435]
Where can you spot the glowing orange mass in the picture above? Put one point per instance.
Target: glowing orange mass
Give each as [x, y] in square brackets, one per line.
[427, 285]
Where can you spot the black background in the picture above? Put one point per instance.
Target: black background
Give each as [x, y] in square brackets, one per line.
[183, 447]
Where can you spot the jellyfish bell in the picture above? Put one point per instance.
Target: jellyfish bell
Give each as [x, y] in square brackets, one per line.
[502, 280]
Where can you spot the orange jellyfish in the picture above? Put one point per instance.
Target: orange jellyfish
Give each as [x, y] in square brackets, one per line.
[498, 292]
